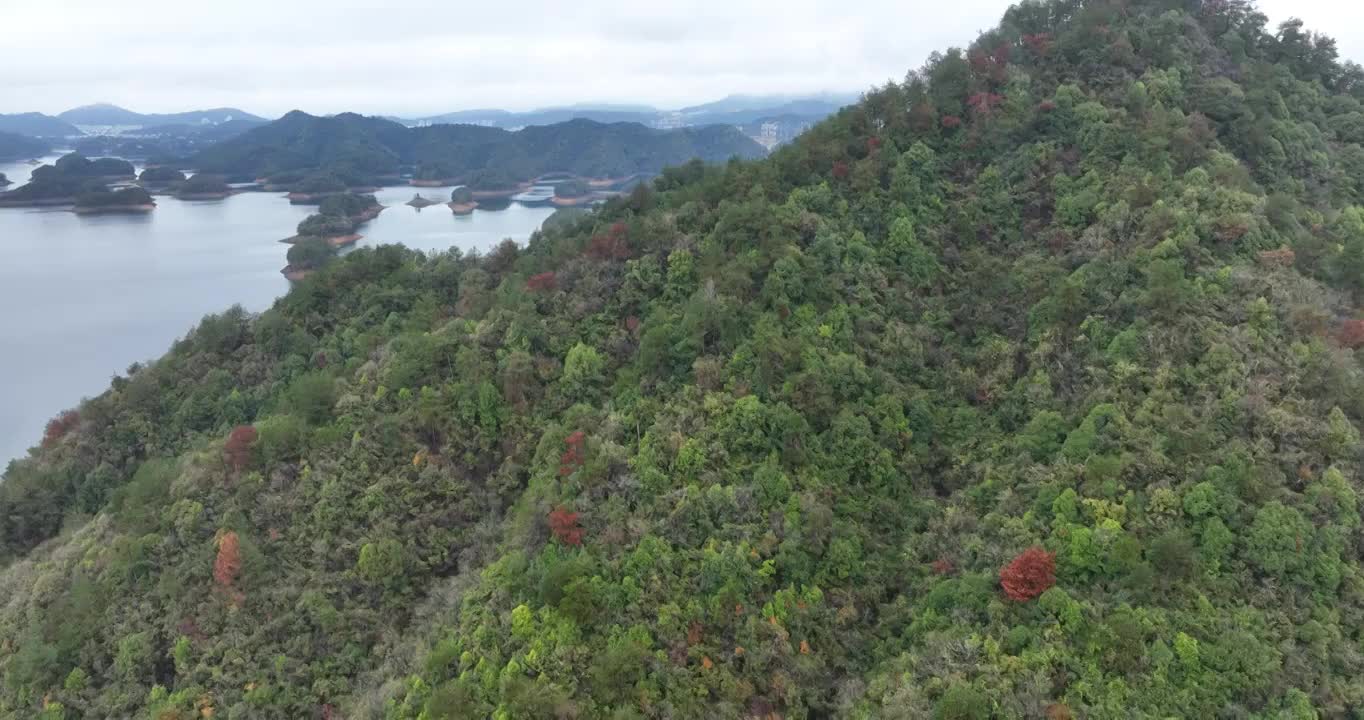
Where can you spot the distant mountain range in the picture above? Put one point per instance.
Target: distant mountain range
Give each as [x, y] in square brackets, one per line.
[37, 125]
[358, 149]
[749, 112]
[104, 114]
[105, 119]
[767, 119]
[20, 147]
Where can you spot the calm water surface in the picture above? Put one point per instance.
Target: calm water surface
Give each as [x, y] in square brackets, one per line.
[82, 298]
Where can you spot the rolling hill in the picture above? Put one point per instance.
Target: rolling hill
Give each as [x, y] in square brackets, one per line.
[351, 144]
[1028, 387]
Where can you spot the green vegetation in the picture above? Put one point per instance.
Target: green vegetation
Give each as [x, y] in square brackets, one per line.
[126, 197]
[563, 219]
[310, 252]
[204, 184]
[348, 205]
[20, 147]
[1028, 387]
[325, 225]
[70, 176]
[339, 215]
[572, 189]
[359, 148]
[319, 184]
[75, 165]
[162, 175]
[462, 195]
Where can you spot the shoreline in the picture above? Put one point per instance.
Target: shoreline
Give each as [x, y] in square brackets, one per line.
[37, 202]
[223, 194]
[575, 201]
[462, 208]
[336, 241]
[506, 194]
[114, 209]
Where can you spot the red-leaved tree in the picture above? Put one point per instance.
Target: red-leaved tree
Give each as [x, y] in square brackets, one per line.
[576, 454]
[1351, 334]
[237, 449]
[1283, 257]
[614, 245]
[59, 426]
[840, 170]
[1029, 575]
[544, 282]
[228, 563]
[564, 524]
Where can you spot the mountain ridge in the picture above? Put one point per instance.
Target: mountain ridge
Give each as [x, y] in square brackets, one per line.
[367, 146]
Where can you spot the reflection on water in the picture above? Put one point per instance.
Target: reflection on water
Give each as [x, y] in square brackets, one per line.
[83, 297]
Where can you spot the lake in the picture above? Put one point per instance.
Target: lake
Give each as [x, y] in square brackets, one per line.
[85, 297]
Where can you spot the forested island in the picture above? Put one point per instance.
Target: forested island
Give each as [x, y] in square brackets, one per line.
[124, 200]
[462, 200]
[332, 227]
[20, 147]
[160, 177]
[203, 186]
[1027, 387]
[71, 176]
[360, 150]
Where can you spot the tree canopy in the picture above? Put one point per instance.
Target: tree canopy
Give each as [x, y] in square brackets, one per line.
[1029, 386]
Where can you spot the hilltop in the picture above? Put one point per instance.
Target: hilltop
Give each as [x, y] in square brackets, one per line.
[105, 114]
[20, 147]
[1027, 387]
[37, 125]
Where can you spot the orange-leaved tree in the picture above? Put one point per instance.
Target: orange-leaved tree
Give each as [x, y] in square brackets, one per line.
[228, 564]
[237, 449]
[1029, 575]
[564, 524]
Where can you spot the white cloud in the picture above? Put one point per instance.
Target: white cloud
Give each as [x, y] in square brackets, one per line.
[270, 56]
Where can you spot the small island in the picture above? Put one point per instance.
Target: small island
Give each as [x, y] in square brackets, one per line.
[160, 177]
[75, 165]
[71, 176]
[312, 189]
[496, 184]
[134, 200]
[420, 202]
[4, 180]
[358, 207]
[570, 193]
[462, 201]
[203, 187]
[336, 222]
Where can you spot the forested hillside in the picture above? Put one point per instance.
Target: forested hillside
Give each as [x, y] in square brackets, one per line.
[1027, 387]
[362, 148]
[16, 147]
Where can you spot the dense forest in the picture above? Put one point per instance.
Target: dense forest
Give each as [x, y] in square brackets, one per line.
[1029, 386]
[71, 175]
[37, 125]
[361, 149]
[20, 147]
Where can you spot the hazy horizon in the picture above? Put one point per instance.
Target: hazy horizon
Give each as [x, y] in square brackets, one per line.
[267, 58]
[585, 105]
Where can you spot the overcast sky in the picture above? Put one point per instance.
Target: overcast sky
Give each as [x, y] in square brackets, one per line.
[423, 57]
